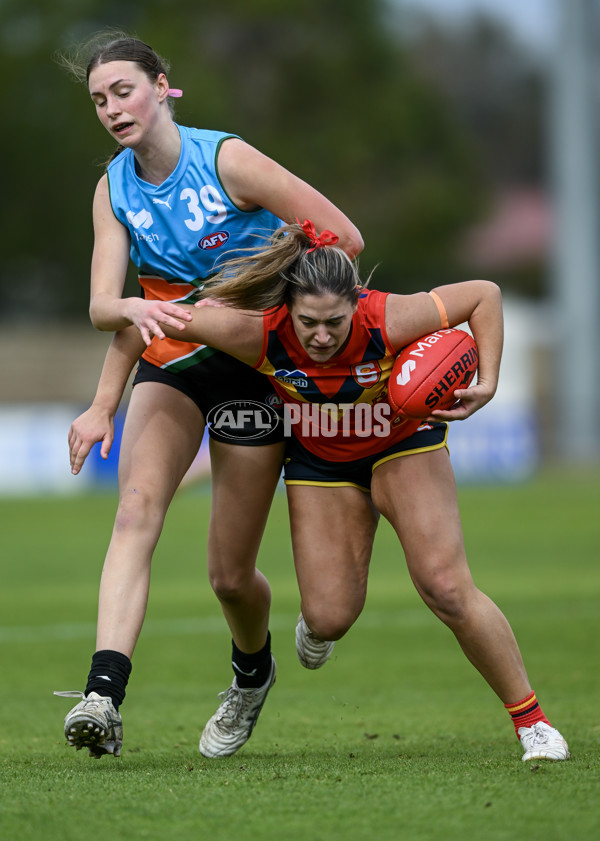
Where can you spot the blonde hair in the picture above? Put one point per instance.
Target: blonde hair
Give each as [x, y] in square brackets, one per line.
[287, 268]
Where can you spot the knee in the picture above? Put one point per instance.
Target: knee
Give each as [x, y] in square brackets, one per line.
[230, 585]
[330, 623]
[137, 509]
[448, 598]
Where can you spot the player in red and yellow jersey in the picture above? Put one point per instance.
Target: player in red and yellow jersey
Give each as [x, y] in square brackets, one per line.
[306, 321]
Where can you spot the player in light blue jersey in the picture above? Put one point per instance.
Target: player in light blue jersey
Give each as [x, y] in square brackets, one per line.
[175, 200]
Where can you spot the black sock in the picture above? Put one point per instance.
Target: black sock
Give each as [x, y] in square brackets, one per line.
[252, 670]
[109, 675]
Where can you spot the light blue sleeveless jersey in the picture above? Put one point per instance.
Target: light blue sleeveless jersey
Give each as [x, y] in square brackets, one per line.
[181, 230]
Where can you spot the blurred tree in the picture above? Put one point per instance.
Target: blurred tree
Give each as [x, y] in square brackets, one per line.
[325, 88]
[497, 90]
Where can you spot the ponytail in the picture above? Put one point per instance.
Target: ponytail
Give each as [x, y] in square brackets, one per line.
[292, 264]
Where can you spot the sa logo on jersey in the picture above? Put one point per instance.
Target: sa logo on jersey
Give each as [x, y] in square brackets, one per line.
[215, 240]
[367, 373]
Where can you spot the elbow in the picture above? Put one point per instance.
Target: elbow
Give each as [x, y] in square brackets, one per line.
[352, 243]
[488, 292]
[492, 289]
[96, 318]
[495, 293]
[96, 322]
[359, 244]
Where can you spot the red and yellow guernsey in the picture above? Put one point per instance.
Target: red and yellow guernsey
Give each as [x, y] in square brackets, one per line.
[339, 408]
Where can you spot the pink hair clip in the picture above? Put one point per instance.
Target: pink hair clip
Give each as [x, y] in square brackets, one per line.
[175, 92]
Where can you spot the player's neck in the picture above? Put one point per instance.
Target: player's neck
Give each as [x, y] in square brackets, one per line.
[156, 160]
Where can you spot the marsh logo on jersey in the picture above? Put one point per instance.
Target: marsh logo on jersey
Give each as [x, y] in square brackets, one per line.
[296, 378]
[242, 420]
[142, 219]
[215, 240]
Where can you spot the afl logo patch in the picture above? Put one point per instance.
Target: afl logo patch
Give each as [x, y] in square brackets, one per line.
[274, 400]
[215, 240]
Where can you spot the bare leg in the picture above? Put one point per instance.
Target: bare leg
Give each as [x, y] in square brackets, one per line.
[163, 431]
[243, 483]
[417, 494]
[332, 537]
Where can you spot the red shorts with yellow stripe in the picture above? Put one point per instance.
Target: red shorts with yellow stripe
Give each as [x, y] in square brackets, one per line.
[301, 467]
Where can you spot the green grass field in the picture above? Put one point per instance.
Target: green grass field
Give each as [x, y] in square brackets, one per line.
[396, 738]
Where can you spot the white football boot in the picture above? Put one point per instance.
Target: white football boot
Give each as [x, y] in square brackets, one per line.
[540, 741]
[232, 724]
[312, 652]
[93, 723]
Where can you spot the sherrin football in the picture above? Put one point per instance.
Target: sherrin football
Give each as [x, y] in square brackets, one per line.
[427, 372]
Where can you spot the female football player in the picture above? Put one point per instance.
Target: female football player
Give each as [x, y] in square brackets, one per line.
[174, 199]
[297, 312]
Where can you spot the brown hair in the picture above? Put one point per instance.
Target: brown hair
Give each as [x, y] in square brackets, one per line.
[287, 268]
[114, 45]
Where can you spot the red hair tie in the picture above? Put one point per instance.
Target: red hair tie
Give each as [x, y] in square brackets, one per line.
[324, 238]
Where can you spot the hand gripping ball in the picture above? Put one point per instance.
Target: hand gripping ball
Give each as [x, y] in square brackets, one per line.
[427, 372]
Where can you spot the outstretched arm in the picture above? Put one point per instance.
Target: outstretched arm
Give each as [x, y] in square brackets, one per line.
[136, 320]
[236, 332]
[97, 422]
[478, 302]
